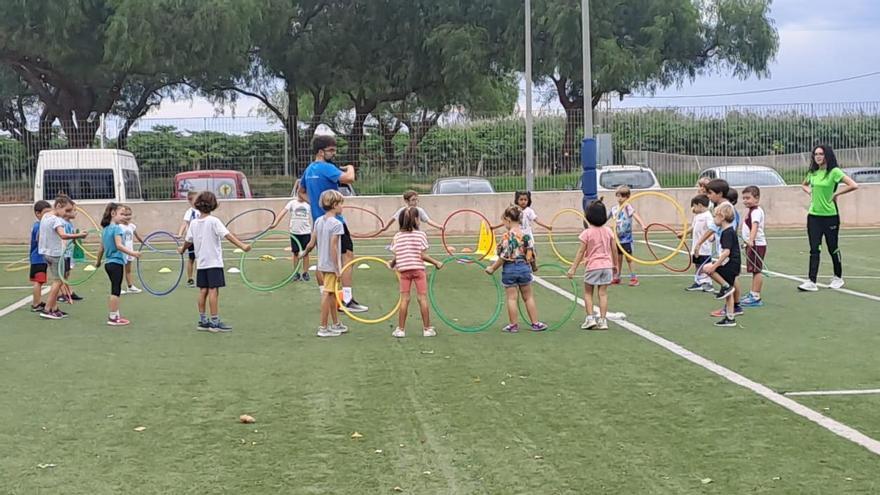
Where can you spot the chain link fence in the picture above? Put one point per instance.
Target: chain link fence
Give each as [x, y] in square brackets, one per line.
[397, 153]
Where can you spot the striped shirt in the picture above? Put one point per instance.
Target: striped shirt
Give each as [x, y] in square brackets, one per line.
[408, 248]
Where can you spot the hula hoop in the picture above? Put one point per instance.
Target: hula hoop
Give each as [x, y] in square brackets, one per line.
[447, 320]
[443, 233]
[550, 232]
[574, 304]
[97, 228]
[758, 257]
[651, 249]
[681, 241]
[371, 212]
[61, 266]
[699, 271]
[25, 264]
[140, 275]
[258, 234]
[268, 288]
[338, 291]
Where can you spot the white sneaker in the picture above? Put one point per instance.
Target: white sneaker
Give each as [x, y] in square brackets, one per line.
[429, 332]
[398, 333]
[326, 332]
[134, 290]
[589, 322]
[808, 286]
[339, 328]
[836, 283]
[602, 324]
[123, 292]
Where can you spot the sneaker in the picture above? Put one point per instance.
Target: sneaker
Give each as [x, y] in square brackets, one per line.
[339, 327]
[60, 313]
[220, 327]
[602, 324]
[190, 284]
[305, 277]
[76, 297]
[356, 307]
[117, 322]
[589, 323]
[836, 283]
[203, 326]
[737, 311]
[123, 292]
[39, 308]
[633, 282]
[808, 286]
[63, 299]
[615, 281]
[398, 333]
[131, 290]
[725, 322]
[326, 332]
[539, 326]
[752, 303]
[512, 328]
[695, 287]
[707, 287]
[747, 300]
[429, 332]
[297, 278]
[51, 315]
[724, 292]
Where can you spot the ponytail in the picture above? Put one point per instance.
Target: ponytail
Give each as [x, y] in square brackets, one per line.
[108, 214]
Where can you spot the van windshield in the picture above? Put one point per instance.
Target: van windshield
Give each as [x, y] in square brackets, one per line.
[132, 184]
[80, 184]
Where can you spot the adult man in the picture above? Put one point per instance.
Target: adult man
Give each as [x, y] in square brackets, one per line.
[322, 175]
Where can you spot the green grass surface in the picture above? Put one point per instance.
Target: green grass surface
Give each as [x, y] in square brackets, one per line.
[561, 412]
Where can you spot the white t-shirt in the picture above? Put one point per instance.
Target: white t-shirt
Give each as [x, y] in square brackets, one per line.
[128, 237]
[756, 216]
[191, 214]
[701, 224]
[528, 217]
[206, 234]
[50, 243]
[300, 217]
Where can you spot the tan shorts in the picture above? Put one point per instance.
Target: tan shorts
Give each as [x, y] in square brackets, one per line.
[330, 282]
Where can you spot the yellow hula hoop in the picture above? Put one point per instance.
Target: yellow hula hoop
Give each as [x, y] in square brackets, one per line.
[339, 293]
[681, 242]
[550, 232]
[18, 266]
[97, 227]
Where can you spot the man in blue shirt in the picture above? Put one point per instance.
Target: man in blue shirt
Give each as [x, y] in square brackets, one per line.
[322, 175]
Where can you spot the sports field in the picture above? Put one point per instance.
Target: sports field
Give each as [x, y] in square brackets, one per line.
[648, 407]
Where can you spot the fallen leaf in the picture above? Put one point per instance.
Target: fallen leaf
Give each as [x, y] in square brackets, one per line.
[776, 478]
[253, 443]
[401, 445]
[44, 466]
[356, 435]
[706, 481]
[140, 428]
[397, 489]
[377, 451]
[426, 473]
[539, 457]
[848, 478]
[503, 383]
[247, 419]
[427, 352]
[477, 380]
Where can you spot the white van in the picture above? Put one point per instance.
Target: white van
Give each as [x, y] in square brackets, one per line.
[87, 175]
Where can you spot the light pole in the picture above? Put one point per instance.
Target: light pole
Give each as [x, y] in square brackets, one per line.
[530, 137]
[588, 146]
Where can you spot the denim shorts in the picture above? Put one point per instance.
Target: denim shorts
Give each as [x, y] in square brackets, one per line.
[516, 273]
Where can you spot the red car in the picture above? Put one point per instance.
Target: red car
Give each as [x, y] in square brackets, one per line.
[226, 184]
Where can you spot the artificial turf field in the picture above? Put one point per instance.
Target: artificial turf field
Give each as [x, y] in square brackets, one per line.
[567, 411]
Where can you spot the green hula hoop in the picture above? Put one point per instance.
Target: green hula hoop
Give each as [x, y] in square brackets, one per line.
[76, 283]
[269, 288]
[574, 290]
[447, 320]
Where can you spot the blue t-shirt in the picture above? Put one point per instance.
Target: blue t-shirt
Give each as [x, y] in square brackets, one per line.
[68, 248]
[108, 238]
[317, 178]
[36, 257]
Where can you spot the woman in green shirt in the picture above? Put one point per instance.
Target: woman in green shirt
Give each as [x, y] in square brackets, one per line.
[823, 218]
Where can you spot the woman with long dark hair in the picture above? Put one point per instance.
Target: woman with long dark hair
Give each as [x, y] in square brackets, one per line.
[823, 219]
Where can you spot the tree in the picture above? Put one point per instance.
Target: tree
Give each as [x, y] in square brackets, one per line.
[84, 58]
[646, 45]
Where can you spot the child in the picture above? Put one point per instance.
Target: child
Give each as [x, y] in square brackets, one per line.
[113, 248]
[726, 269]
[411, 198]
[300, 228]
[191, 214]
[327, 236]
[129, 235]
[720, 193]
[523, 199]
[701, 186]
[410, 247]
[38, 264]
[515, 254]
[600, 251]
[755, 243]
[67, 294]
[51, 247]
[205, 234]
[701, 253]
[624, 218]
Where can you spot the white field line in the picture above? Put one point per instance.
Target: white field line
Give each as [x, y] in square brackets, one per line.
[16, 288]
[20, 303]
[868, 391]
[829, 424]
[793, 278]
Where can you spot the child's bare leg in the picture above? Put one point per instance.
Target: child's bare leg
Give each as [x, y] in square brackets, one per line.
[214, 301]
[529, 298]
[588, 299]
[757, 283]
[404, 310]
[425, 310]
[729, 305]
[629, 263]
[603, 300]
[113, 304]
[190, 267]
[325, 309]
[52, 302]
[511, 304]
[306, 264]
[128, 280]
[203, 299]
[718, 279]
[736, 292]
[38, 294]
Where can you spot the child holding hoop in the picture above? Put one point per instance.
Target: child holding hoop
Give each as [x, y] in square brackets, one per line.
[411, 198]
[115, 251]
[129, 235]
[600, 250]
[300, 228]
[624, 218]
[515, 256]
[51, 248]
[410, 247]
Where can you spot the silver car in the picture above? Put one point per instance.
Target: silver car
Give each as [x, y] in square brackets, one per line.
[863, 174]
[462, 185]
[745, 175]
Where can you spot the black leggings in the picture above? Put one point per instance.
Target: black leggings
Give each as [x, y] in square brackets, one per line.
[114, 271]
[830, 228]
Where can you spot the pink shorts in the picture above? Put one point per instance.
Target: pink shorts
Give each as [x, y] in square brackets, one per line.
[410, 277]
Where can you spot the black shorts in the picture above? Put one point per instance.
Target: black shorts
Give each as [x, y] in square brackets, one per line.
[347, 245]
[192, 253]
[301, 239]
[67, 265]
[699, 260]
[114, 272]
[728, 272]
[210, 278]
[627, 246]
[38, 273]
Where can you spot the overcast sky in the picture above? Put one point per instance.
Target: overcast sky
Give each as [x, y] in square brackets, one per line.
[820, 40]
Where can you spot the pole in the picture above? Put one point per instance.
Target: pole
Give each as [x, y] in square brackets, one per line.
[588, 147]
[530, 138]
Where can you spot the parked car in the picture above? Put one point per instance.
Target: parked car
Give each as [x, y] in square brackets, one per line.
[863, 174]
[745, 175]
[462, 185]
[226, 184]
[610, 177]
[87, 175]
